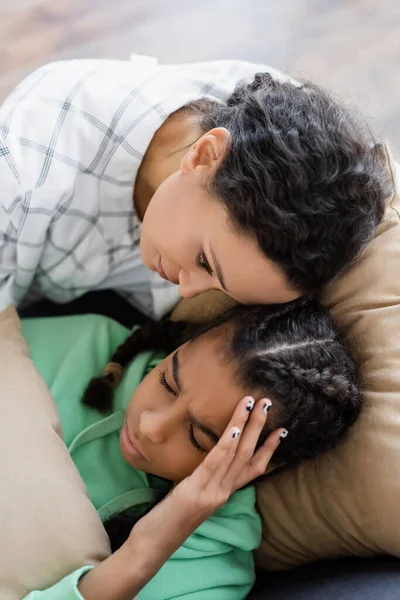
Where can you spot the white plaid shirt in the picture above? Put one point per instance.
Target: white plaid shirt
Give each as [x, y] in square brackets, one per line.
[72, 137]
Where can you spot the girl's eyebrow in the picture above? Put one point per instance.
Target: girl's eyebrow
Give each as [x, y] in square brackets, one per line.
[204, 428]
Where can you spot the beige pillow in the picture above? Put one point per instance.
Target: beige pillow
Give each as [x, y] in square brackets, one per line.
[348, 501]
[203, 307]
[48, 526]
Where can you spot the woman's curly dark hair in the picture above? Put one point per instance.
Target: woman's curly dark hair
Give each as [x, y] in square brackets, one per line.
[302, 175]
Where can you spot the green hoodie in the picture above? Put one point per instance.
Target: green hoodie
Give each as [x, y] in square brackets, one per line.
[215, 562]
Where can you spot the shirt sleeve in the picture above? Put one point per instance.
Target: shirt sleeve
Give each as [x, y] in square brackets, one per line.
[52, 244]
[11, 220]
[66, 589]
[217, 560]
[22, 236]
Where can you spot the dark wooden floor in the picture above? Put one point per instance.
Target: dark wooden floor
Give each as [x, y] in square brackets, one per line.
[352, 46]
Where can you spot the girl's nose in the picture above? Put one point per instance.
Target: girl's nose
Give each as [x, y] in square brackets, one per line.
[156, 425]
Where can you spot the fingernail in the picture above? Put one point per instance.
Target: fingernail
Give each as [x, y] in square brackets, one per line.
[267, 406]
[283, 435]
[250, 404]
[235, 433]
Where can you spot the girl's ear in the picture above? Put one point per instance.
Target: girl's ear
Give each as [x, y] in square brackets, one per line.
[272, 468]
[207, 153]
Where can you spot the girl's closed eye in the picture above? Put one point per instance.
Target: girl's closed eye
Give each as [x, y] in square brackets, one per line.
[193, 440]
[163, 380]
[202, 263]
[165, 384]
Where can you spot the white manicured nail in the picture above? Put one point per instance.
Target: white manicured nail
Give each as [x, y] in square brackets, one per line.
[250, 404]
[235, 433]
[267, 406]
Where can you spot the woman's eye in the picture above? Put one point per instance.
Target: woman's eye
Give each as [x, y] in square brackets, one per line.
[165, 384]
[193, 440]
[203, 263]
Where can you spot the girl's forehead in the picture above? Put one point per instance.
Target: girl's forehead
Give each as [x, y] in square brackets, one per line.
[209, 379]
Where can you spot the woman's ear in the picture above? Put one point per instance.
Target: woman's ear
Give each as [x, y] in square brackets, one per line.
[207, 153]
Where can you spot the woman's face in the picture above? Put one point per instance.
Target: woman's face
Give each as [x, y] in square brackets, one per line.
[180, 410]
[188, 238]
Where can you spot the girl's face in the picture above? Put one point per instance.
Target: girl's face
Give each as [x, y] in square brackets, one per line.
[188, 238]
[180, 410]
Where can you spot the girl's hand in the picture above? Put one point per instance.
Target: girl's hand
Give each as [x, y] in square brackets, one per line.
[231, 464]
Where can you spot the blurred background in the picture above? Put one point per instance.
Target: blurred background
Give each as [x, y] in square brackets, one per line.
[349, 46]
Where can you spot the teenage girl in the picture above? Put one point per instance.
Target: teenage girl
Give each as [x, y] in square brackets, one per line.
[169, 438]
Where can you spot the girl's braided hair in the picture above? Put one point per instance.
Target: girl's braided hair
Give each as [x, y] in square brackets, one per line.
[163, 335]
[291, 353]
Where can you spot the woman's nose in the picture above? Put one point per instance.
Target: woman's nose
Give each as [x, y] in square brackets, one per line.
[155, 425]
[191, 285]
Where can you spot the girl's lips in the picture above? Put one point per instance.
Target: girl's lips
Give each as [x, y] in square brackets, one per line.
[130, 446]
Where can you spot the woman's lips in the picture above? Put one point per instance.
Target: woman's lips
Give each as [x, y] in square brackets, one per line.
[163, 274]
[161, 271]
[130, 446]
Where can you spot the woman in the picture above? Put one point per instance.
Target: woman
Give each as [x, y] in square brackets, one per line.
[166, 181]
[198, 420]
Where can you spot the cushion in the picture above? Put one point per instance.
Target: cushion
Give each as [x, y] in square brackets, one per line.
[202, 308]
[347, 502]
[48, 525]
